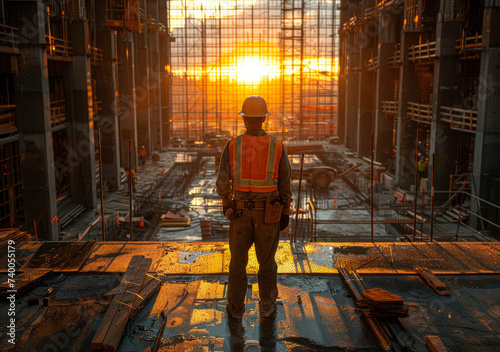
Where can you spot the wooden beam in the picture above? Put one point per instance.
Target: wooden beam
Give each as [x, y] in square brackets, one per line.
[433, 281]
[120, 319]
[99, 336]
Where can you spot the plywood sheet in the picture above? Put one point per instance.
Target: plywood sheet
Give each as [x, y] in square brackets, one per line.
[418, 254]
[482, 253]
[193, 258]
[114, 257]
[24, 252]
[464, 257]
[60, 256]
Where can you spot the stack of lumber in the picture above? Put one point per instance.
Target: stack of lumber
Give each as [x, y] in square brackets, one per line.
[16, 235]
[173, 220]
[382, 303]
[67, 211]
[110, 332]
[150, 286]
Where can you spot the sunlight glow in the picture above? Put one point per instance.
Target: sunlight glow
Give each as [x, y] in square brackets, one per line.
[253, 70]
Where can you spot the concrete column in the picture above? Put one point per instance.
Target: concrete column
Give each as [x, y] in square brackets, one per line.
[351, 96]
[33, 120]
[165, 96]
[82, 159]
[487, 144]
[106, 92]
[446, 92]
[127, 90]
[384, 90]
[408, 90]
[143, 98]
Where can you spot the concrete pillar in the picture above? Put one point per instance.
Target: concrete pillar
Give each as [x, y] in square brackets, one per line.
[384, 90]
[142, 89]
[408, 90]
[165, 96]
[33, 120]
[487, 143]
[127, 92]
[82, 157]
[446, 92]
[106, 92]
[352, 91]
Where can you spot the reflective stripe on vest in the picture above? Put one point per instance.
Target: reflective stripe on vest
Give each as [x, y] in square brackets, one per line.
[255, 163]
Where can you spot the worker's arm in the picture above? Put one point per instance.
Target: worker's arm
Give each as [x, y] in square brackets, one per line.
[223, 182]
[284, 181]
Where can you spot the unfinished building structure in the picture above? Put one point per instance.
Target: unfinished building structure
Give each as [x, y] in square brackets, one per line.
[420, 76]
[280, 49]
[69, 68]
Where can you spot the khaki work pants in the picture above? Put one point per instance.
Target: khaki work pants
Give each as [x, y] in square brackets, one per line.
[249, 228]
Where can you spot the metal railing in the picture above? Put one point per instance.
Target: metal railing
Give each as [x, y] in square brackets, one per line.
[370, 12]
[459, 119]
[7, 36]
[422, 51]
[395, 59]
[372, 63]
[59, 47]
[57, 112]
[96, 55]
[390, 107]
[468, 43]
[7, 118]
[419, 112]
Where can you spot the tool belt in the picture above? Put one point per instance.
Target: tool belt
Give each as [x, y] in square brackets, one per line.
[272, 214]
[249, 204]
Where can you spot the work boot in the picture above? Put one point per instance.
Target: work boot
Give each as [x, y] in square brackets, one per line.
[267, 311]
[233, 314]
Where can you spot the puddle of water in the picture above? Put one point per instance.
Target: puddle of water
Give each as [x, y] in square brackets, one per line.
[358, 250]
[190, 257]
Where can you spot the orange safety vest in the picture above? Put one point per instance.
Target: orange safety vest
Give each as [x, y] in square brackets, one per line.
[255, 163]
[142, 152]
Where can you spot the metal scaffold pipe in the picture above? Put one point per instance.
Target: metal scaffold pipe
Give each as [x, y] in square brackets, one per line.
[101, 185]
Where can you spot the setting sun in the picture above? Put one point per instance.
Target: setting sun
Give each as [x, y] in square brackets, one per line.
[253, 70]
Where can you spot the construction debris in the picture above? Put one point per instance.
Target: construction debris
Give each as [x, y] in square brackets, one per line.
[171, 219]
[380, 309]
[15, 235]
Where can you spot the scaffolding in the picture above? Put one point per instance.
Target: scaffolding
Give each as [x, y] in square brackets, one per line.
[283, 50]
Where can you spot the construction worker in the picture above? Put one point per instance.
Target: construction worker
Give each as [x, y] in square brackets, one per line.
[134, 178]
[142, 155]
[422, 166]
[254, 170]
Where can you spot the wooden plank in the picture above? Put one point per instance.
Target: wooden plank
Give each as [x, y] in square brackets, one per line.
[60, 256]
[120, 320]
[25, 281]
[99, 336]
[434, 344]
[433, 281]
[145, 294]
[109, 295]
[102, 256]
